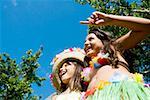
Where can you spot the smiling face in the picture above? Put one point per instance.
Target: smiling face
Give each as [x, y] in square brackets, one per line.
[66, 72]
[92, 45]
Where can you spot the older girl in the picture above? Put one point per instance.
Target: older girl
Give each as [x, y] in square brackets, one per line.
[111, 79]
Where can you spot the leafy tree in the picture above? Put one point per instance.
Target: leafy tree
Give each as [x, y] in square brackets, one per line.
[16, 79]
[138, 59]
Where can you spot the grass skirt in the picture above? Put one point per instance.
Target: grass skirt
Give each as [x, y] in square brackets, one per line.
[123, 90]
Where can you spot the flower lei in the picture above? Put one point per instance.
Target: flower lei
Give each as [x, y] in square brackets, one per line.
[98, 61]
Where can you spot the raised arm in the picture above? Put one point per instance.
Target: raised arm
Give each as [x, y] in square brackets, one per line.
[129, 40]
[140, 27]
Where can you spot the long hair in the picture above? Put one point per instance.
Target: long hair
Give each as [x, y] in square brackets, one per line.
[75, 83]
[107, 41]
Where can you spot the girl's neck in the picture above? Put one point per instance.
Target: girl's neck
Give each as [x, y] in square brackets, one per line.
[100, 52]
[66, 91]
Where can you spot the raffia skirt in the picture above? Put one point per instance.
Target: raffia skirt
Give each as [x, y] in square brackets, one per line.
[122, 90]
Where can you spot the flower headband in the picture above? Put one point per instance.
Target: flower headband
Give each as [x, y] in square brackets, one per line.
[76, 54]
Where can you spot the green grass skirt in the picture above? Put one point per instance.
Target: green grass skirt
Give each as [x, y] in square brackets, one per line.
[124, 90]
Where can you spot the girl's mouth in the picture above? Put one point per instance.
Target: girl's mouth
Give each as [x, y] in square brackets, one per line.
[88, 48]
[62, 72]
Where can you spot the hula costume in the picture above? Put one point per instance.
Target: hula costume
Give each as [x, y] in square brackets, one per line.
[120, 87]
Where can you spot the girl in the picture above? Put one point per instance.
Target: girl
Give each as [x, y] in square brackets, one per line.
[111, 79]
[66, 74]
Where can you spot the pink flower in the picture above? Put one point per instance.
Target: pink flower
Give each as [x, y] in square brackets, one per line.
[51, 76]
[71, 49]
[86, 74]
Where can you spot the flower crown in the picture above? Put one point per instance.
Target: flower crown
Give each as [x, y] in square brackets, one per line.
[66, 51]
[71, 53]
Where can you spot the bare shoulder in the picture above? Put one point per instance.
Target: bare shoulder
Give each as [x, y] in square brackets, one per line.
[105, 68]
[104, 72]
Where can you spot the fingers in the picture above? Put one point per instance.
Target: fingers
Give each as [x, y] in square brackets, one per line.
[99, 14]
[95, 19]
[89, 21]
[95, 14]
[99, 21]
[84, 22]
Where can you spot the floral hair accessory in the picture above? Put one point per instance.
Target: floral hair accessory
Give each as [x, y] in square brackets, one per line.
[75, 54]
[51, 76]
[101, 59]
[66, 51]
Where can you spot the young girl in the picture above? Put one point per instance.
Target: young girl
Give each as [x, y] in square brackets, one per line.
[66, 74]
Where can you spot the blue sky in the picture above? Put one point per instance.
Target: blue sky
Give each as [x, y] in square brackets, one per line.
[27, 24]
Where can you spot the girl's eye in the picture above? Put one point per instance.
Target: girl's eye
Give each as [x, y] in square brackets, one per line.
[69, 63]
[91, 38]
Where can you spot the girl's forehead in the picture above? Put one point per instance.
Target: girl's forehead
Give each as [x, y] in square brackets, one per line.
[90, 35]
[66, 62]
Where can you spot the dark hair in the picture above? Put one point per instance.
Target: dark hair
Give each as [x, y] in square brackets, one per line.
[76, 82]
[107, 41]
[102, 35]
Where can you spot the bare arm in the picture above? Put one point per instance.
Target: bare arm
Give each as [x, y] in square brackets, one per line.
[129, 40]
[140, 27]
[133, 23]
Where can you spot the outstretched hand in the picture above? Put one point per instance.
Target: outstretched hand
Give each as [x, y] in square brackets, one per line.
[97, 18]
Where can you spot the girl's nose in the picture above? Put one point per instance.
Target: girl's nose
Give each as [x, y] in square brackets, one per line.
[61, 69]
[86, 43]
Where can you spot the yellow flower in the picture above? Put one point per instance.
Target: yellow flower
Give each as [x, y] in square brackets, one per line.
[102, 84]
[91, 64]
[138, 77]
[95, 59]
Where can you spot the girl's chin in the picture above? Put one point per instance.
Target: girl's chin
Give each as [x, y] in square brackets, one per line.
[65, 81]
[90, 54]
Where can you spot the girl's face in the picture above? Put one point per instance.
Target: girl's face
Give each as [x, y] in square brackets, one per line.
[66, 72]
[92, 45]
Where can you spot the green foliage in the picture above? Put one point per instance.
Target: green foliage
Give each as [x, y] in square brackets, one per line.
[139, 60]
[16, 79]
